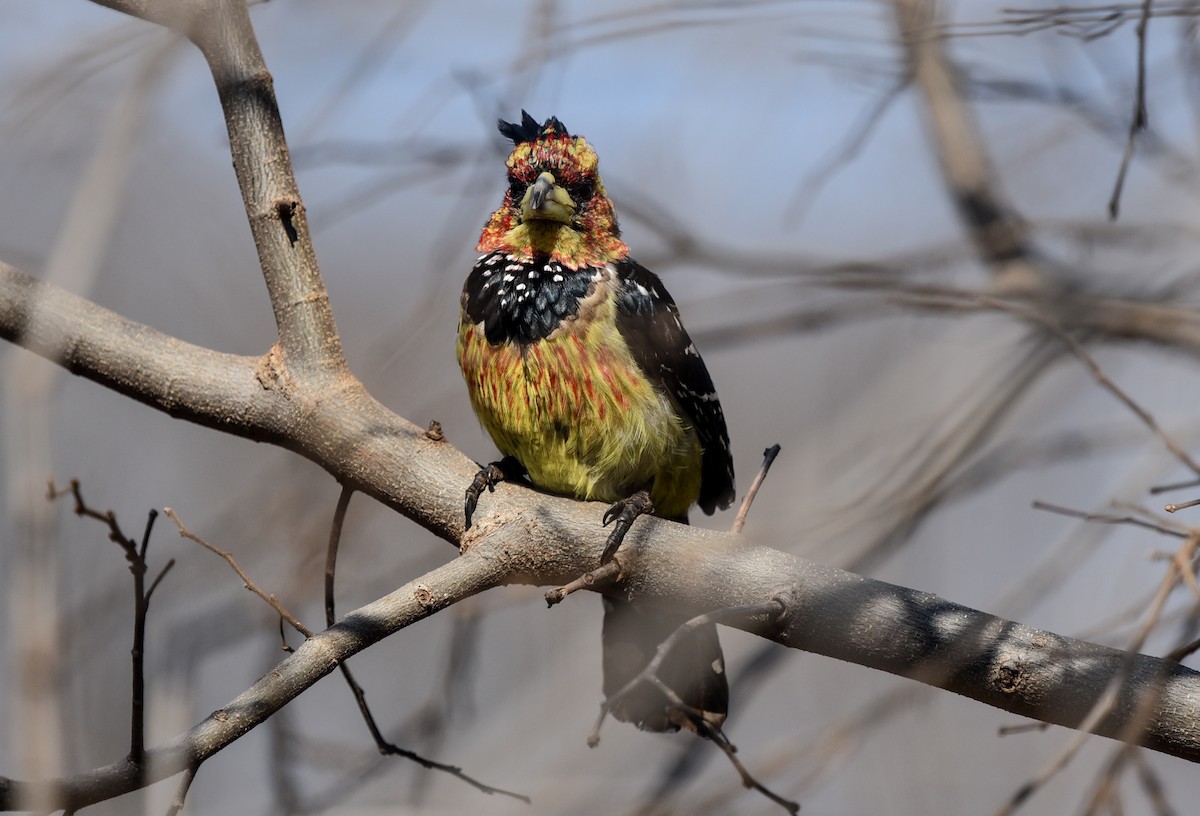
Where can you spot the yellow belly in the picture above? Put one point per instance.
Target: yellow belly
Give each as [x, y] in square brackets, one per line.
[576, 411]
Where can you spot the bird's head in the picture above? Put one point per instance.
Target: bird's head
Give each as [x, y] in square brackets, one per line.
[555, 204]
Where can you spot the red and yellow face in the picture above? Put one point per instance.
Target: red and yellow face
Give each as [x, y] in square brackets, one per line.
[555, 205]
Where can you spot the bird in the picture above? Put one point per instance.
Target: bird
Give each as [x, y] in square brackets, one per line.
[579, 368]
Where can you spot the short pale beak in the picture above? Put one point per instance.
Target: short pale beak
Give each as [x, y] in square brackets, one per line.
[546, 201]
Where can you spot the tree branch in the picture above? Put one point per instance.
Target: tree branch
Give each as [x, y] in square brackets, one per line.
[913, 634]
[221, 29]
[1000, 237]
[300, 396]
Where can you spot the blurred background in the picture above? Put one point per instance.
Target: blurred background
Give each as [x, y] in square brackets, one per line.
[826, 188]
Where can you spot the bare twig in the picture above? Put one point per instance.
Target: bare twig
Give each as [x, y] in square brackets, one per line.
[1104, 706]
[1098, 373]
[135, 555]
[1000, 238]
[771, 612]
[768, 459]
[601, 576]
[1104, 518]
[1165, 488]
[384, 746]
[271, 600]
[748, 781]
[1139, 120]
[185, 784]
[1151, 783]
[1176, 506]
[331, 553]
[852, 145]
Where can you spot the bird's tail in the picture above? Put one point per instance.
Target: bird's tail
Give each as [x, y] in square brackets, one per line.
[694, 669]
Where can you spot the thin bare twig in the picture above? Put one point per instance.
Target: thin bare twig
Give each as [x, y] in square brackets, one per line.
[1140, 119]
[1165, 488]
[1107, 701]
[1097, 372]
[135, 555]
[852, 145]
[772, 611]
[271, 600]
[331, 553]
[185, 784]
[748, 781]
[1104, 518]
[1174, 506]
[601, 576]
[384, 746]
[768, 459]
[1151, 784]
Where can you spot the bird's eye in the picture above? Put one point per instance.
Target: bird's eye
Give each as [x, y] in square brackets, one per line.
[582, 191]
[516, 188]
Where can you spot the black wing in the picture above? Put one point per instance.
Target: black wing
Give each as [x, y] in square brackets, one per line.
[649, 321]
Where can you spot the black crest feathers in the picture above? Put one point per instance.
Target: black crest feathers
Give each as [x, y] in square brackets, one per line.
[529, 130]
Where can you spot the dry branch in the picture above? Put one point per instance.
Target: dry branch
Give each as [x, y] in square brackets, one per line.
[300, 396]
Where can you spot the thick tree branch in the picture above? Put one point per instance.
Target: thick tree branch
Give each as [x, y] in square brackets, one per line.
[221, 29]
[914, 634]
[336, 423]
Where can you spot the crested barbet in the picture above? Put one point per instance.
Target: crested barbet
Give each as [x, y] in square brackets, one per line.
[579, 368]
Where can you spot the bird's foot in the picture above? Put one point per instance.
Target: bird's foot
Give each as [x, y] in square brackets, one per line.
[507, 469]
[624, 512]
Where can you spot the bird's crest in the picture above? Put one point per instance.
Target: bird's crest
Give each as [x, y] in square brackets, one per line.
[530, 131]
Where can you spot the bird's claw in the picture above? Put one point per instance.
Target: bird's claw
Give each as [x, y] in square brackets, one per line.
[487, 478]
[624, 513]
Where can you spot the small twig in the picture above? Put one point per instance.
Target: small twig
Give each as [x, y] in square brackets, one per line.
[772, 610]
[283, 644]
[1105, 796]
[768, 459]
[852, 145]
[385, 747]
[1103, 518]
[1009, 730]
[1108, 700]
[158, 579]
[748, 781]
[1140, 118]
[181, 792]
[1165, 488]
[135, 555]
[1151, 783]
[601, 576]
[1171, 508]
[335, 537]
[271, 600]
[1097, 372]
[1180, 652]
